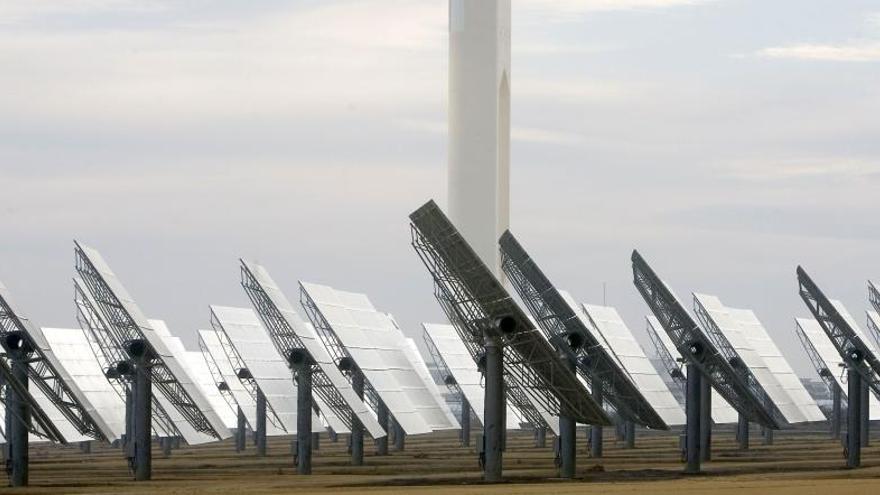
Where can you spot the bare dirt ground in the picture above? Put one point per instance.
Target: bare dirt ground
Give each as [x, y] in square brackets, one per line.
[799, 463]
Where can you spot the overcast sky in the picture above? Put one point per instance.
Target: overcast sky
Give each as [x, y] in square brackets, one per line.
[727, 140]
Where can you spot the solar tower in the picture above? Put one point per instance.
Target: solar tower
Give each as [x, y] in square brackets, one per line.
[479, 123]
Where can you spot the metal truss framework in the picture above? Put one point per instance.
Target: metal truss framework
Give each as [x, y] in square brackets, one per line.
[673, 367]
[693, 344]
[562, 325]
[108, 352]
[334, 345]
[241, 370]
[287, 341]
[217, 377]
[123, 326]
[442, 367]
[512, 389]
[875, 331]
[822, 369]
[40, 423]
[874, 298]
[725, 348]
[41, 370]
[855, 353]
[473, 299]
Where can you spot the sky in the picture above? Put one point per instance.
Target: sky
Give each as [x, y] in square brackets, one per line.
[727, 140]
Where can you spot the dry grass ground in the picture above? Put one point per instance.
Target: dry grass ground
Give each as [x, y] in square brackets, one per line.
[800, 462]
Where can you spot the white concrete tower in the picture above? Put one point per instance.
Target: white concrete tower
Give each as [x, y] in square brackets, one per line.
[479, 123]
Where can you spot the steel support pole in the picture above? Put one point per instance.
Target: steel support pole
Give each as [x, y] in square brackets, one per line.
[260, 433]
[382, 417]
[742, 432]
[768, 436]
[866, 415]
[18, 441]
[128, 445]
[493, 429]
[142, 402]
[567, 446]
[6, 429]
[540, 438]
[596, 431]
[836, 412]
[304, 418]
[399, 436]
[316, 440]
[567, 439]
[629, 435]
[7, 423]
[705, 420]
[693, 409]
[854, 419]
[619, 431]
[357, 429]
[241, 432]
[465, 422]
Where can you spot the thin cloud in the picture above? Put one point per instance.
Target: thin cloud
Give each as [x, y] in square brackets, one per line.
[545, 136]
[568, 7]
[544, 48]
[873, 22]
[804, 169]
[862, 48]
[22, 12]
[318, 60]
[859, 51]
[572, 90]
